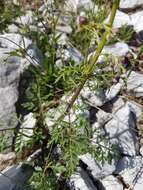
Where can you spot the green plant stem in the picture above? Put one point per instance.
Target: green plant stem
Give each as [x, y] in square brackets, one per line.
[94, 58]
[91, 63]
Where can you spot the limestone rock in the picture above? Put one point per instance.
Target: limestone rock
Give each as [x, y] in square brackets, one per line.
[135, 84]
[130, 4]
[121, 131]
[81, 181]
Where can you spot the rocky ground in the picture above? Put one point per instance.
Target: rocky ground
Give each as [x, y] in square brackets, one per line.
[116, 112]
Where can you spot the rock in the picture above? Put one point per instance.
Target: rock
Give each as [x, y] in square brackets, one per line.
[55, 113]
[78, 5]
[121, 131]
[118, 104]
[9, 79]
[26, 19]
[68, 52]
[26, 129]
[99, 98]
[130, 4]
[13, 28]
[93, 98]
[15, 177]
[81, 181]
[113, 91]
[103, 117]
[137, 20]
[121, 19]
[135, 84]
[97, 170]
[118, 49]
[7, 160]
[137, 109]
[34, 55]
[64, 29]
[131, 170]
[14, 41]
[111, 183]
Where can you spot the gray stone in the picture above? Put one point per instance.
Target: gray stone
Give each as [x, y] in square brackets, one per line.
[13, 41]
[69, 53]
[121, 19]
[34, 55]
[111, 183]
[135, 84]
[118, 49]
[97, 170]
[130, 4]
[64, 29]
[137, 109]
[26, 19]
[121, 131]
[118, 104]
[13, 28]
[78, 5]
[81, 181]
[131, 170]
[26, 129]
[15, 177]
[137, 20]
[99, 98]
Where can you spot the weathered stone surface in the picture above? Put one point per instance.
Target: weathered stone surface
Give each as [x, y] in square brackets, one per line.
[137, 20]
[121, 131]
[99, 98]
[135, 84]
[121, 19]
[131, 169]
[111, 183]
[9, 79]
[81, 181]
[13, 28]
[26, 129]
[76, 5]
[118, 49]
[7, 160]
[96, 169]
[15, 177]
[13, 41]
[26, 19]
[130, 4]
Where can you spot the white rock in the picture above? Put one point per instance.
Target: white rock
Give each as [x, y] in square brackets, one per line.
[135, 84]
[28, 124]
[81, 181]
[118, 49]
[111, 183]
[26, 19]
[137, 109]
[14, 41]
[130, 4]
[13, 28]
[34, 55]
[99, 98]
[120, 19]
[119, 103]
[113, 91]
[65, 29]
[97, 170]
[131, 169]
[121, 131]
[69, 53]
[76, 5]
[137, 20]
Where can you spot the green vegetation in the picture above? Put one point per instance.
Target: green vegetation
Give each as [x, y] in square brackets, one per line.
[66, 140]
